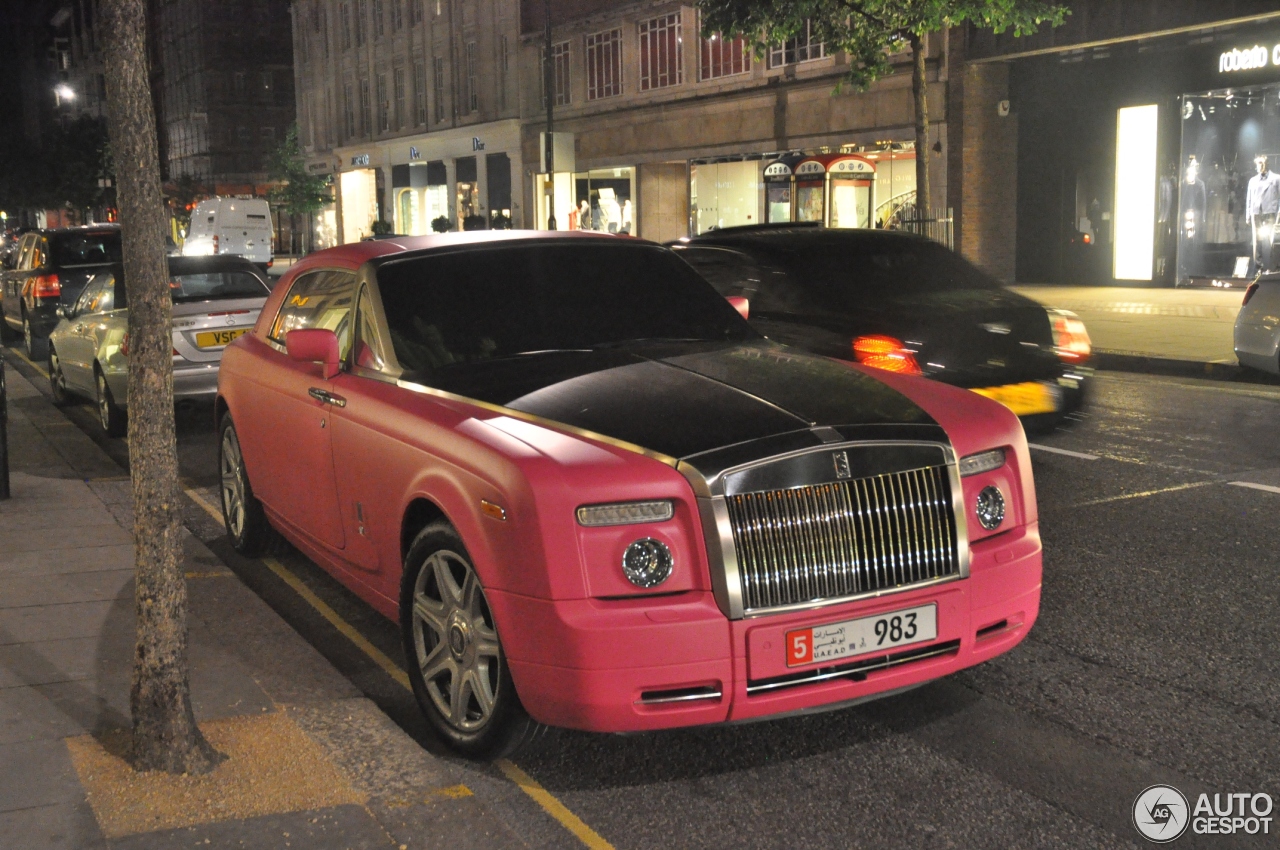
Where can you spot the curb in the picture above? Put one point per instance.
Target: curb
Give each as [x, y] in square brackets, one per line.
[1149, 365]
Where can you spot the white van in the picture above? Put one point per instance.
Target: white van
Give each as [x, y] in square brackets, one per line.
[237, 226]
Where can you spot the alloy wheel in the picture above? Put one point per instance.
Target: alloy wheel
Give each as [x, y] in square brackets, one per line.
[104, 402]
[232, 471]
[57, 380]
[455, 644]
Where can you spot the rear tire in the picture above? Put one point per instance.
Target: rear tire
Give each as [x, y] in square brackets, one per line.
[110, 416]
[455, 659]
[245, 520]
[33, 345]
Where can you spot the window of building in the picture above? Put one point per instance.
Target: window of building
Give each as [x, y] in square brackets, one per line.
[397, 86]
[268, 83]
[397, 15]
[324, 31]
[437, 84]
[419, 94]
[661, 56]
[723, 57]
[473, 80]
[238, 83]
[504, 66]
[415, 12]
[377, 19]
[244, 135]
[348, 112]
[361, 12]
[604, 64]
[384, 105]
[560, 72]
[267, 134]
[366, 122]
[345, 12]
[803, 48]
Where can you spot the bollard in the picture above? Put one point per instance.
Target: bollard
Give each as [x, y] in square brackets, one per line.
[4, 433]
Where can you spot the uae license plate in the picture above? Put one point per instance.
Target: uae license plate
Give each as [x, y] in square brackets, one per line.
[1025, 399]
[215, 339]
[864, 636]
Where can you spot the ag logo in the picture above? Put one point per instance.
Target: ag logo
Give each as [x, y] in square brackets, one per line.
[1161, 814]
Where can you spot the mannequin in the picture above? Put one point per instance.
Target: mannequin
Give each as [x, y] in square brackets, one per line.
[1262, 202]
[1191, 222]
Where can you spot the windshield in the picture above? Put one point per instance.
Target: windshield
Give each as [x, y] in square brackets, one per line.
[85, 249]
[845, 277]
[216, 286]
[469, 306]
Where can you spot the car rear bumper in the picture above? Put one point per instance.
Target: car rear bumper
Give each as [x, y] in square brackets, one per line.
[676, 661]
[191, 382]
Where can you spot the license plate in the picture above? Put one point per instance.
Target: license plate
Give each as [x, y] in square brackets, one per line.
[1025, 399]
[214, 339]
[863, 636]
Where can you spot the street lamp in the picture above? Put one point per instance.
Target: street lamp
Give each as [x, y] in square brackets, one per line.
[64, 92]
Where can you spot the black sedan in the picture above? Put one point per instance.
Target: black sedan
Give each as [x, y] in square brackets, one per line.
[901, 303]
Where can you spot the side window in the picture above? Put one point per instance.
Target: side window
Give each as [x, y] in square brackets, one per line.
[39, 253]
[730, 272]
[318, 300]
[370, 350]
[24, 252]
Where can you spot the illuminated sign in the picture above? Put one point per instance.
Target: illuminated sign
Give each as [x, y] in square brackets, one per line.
[1135, 203]
[777, 169]
[851, 166]
[1249, 59]
[413, 153]
[810, 167]
[360, 159]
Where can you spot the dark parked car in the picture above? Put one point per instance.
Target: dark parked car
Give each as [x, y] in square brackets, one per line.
[52, 268]
[901, 303]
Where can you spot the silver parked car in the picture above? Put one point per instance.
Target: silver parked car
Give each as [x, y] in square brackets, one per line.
[1257, 333]
[215, 300]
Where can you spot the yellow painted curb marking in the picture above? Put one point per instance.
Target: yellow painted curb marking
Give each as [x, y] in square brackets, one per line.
[527, 783]
[553, 807]
[29, 362]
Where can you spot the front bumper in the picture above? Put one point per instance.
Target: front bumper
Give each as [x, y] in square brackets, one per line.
[635, 665]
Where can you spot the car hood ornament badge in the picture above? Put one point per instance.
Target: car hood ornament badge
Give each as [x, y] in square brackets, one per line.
[841, 461]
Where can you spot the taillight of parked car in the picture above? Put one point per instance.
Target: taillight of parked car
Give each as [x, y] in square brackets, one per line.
[887, 353]
[46, 286]
[1248, 293]
[1070, 339]
[215, 243]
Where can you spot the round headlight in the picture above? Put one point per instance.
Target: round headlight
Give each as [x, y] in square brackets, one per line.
[990, 508]
[647, 562]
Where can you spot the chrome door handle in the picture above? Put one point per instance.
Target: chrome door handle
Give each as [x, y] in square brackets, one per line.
[327, 397]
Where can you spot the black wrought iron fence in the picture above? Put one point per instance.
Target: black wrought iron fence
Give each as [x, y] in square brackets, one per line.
[937, 225]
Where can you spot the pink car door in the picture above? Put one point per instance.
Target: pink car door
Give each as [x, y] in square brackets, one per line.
[294, 406]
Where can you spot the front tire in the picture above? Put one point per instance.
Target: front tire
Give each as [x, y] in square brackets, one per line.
[456, 663]
[57, 380]
[246, 522]
[110, 416]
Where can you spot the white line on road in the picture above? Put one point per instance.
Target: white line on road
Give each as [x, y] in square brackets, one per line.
[1080, 455]
[1253, 486]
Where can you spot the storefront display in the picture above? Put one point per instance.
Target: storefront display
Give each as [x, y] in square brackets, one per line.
[835, 189]
[1228, 192]
[601, 199]
[724, 194]
[778, 176]
[359, 197]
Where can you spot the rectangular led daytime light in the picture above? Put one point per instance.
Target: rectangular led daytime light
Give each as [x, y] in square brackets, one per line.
[982, 462]
[625, 513]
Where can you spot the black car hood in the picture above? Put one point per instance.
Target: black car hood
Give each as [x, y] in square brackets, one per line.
[685, 399]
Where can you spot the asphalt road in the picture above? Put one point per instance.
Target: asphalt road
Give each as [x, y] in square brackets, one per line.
[1154, 661]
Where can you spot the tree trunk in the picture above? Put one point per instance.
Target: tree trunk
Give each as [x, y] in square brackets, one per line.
[920, 93]
[165, 736]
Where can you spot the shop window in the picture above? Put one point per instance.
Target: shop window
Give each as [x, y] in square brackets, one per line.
[804, 47]
[724, 194]
[1219, 203]
[723, 57]
[419, 94]
[661, 53]
[604, 202]
[604, 64]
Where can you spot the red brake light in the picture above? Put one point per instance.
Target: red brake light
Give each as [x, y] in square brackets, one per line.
[1070, 339]
[1088, 240]
[1248, 293]
[887, 353]
[215, 243]
[46, 286]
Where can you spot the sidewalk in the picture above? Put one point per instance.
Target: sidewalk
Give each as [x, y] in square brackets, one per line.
[312, 763]
[1172, 331]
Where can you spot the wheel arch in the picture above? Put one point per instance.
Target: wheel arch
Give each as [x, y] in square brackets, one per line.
[418, 514]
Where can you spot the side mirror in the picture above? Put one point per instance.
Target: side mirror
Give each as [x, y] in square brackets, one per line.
[312, 345]
[63, 312]
[741, 304]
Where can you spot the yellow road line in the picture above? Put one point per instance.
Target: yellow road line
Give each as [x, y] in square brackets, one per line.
[527, 783]
[553, 807]
[28, 361]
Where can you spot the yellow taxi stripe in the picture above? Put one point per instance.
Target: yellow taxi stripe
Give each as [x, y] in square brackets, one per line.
[527, 783]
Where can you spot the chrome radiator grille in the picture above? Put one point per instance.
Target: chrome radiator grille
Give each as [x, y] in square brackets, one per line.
[845, 538]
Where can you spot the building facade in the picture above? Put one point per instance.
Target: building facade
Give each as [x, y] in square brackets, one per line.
[1120, 147]
[413, 107]
[665, 133]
